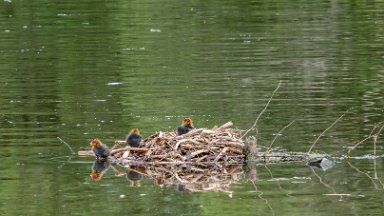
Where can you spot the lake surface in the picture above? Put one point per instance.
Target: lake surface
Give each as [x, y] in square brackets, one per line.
[84, 69]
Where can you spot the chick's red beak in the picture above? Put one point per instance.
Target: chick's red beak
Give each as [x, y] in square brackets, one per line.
[92, 143]
[187, 121]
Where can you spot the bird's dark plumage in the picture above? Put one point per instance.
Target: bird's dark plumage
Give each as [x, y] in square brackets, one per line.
[185, 127]
[134, 138]
[99, 149]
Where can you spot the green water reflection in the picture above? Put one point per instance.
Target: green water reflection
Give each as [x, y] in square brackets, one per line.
[84, 69]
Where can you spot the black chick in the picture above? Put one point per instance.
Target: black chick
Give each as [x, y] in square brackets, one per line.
[185, 127]
[99, 149]
[134, 138]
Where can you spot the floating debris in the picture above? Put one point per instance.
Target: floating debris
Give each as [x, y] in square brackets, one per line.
[114, 83]
[322, 163]
[154, 30]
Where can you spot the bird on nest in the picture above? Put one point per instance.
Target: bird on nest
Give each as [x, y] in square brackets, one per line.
[185, 127]
[100, 150]
[134, 138]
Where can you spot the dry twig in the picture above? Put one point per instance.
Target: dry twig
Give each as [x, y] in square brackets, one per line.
[262, 112]
[318, 138]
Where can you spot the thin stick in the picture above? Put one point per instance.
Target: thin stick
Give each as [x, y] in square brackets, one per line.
[318, 138]
[264, 199]
[281, 131]
[374, 151]
[117, 143]
[262, 111]
[63, 164]
[364, 173]
[69, 147]
[365, 139]
[128, 148]
[270, 173]
[220, 154]
[321, 181]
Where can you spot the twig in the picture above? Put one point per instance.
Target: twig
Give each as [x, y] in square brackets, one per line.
[321, 181]
[69, 147]
[220, 154]
[262, 111]
[117, 143]
[374, 153]
[318, 138]
[63, 164]
[129, 149]
[270, 173]
[281, 131]
[226, 125]
[264, 199]
[185, 140]
[371, 134]
[364, 173]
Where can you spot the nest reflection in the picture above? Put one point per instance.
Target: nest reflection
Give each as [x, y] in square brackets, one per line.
[186, 177]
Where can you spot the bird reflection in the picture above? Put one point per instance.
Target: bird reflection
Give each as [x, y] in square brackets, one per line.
[99, 168]
[134, 176]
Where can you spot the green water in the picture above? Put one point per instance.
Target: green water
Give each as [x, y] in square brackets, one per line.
[84, 69]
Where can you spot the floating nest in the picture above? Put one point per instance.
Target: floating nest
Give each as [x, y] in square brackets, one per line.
[201, 160]
[217, 145]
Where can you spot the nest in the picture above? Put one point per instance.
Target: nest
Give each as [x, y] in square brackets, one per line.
[216, 145]
[201, 160]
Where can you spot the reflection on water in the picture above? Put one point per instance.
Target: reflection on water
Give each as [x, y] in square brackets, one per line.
[192, 178]
[84, 69]
[99, 167]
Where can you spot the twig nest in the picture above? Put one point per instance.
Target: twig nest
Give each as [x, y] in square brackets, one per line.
[219, 144]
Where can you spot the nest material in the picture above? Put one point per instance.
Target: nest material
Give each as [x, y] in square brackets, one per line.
[219, 144]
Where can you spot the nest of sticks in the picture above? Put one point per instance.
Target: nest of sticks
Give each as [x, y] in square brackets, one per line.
[216, 145]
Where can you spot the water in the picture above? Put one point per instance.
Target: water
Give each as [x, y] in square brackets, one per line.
[79, 70]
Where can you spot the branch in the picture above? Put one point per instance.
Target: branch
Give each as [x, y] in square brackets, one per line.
[281, 131]
[262, 112]
[318, 138]
[69, 147]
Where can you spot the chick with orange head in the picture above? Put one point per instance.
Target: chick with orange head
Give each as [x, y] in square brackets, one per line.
[100, 150]
[185, 127]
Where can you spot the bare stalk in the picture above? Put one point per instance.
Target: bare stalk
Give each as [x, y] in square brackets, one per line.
[264, 199]
[322, 182]
[262, 112]
[318, 138]
[371, 135]
[364, 173]
[374, 152]
[69, 147]
[281, 131]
